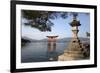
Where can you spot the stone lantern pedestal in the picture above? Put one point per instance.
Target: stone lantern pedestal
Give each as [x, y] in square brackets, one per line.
[74, 50]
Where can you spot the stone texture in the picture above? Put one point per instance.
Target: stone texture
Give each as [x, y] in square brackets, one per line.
[75, 50]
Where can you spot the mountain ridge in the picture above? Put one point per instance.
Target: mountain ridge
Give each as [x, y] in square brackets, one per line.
[58, 40]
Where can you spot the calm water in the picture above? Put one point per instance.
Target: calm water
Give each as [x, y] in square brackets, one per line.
[40, 52]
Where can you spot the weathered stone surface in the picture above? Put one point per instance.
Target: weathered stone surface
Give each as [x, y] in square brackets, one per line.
[75, 53]
[75, 50]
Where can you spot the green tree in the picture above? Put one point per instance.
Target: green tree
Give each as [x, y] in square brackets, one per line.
[87, 34]
[42, 19]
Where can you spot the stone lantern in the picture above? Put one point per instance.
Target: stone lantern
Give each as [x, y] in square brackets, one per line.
[74, 49]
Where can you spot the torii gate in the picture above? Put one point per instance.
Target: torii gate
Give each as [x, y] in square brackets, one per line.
[51, 43]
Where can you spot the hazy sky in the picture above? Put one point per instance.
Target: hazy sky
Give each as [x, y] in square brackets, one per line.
[61, 28]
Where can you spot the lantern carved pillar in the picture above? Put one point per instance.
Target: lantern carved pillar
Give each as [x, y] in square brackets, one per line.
[74, 49]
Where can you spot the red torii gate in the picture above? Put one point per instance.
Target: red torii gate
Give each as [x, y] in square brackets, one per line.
[51, 43]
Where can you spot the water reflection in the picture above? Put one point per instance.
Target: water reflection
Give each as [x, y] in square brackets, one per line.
[42, 51]
[51, 53]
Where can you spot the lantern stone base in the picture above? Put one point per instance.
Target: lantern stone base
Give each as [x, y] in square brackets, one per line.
[75, 51]
[71, 55]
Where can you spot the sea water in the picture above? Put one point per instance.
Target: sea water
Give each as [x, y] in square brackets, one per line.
[39, 52]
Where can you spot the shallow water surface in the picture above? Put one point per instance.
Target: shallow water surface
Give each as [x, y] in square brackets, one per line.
[40, 52]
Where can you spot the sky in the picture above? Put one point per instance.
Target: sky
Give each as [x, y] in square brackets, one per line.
[61, 28]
